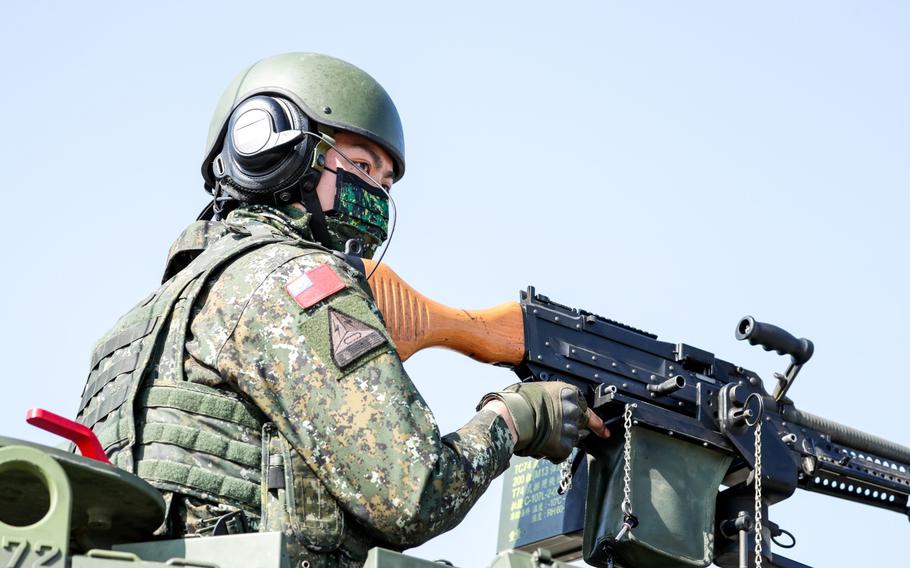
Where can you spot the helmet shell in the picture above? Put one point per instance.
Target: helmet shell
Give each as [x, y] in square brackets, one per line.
[330, 91]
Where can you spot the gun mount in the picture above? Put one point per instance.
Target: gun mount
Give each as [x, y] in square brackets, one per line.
[688, 393]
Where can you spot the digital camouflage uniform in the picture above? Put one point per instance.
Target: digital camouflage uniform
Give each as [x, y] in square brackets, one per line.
[257, 401]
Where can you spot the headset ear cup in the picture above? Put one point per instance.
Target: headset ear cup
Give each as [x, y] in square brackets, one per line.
[267, 149]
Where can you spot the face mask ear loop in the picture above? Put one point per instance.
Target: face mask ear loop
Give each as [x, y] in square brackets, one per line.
[388, 195]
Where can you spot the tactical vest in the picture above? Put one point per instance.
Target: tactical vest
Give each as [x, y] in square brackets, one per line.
[139, 404]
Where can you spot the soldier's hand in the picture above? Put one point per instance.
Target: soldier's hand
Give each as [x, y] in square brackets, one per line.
[547, 418]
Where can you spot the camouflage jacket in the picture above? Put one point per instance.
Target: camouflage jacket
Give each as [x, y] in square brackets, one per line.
[269, 330]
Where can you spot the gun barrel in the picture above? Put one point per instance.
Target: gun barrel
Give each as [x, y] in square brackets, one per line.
[848, 436]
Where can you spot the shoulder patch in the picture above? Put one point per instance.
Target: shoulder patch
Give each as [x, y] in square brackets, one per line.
[314, 285]
[351, 338]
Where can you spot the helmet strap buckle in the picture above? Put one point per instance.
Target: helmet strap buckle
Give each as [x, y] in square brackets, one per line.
[322, 147]
[219, 207]
[306, 194]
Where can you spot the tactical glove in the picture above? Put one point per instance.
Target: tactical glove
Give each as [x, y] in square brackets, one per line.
[549, 417]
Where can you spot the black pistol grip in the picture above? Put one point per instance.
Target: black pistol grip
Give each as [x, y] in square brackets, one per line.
[770, 337]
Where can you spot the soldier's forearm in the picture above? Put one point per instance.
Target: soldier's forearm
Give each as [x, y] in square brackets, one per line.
[471, 458]
[499, 408]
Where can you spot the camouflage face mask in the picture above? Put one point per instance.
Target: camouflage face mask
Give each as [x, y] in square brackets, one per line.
[361, 212]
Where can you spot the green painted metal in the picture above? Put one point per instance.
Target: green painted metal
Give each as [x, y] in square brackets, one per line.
[37, 534]
[540, 558]
[382, 558]
[110, 559]
[254, 550]
[108, 505]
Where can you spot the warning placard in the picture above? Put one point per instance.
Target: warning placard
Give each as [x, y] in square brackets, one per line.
[534, 514]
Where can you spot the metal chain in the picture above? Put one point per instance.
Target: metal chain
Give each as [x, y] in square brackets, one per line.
[629, 521]
[565, 476]
[627, 460]
[757, 482]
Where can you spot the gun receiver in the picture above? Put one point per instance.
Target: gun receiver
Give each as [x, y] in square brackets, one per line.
[678, 390]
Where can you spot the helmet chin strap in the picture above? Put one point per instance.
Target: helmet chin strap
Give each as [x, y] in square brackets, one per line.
[310, 200]
[220, 204]
[306, 188]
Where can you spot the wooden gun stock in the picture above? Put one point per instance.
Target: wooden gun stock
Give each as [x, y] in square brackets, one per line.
[494, 335]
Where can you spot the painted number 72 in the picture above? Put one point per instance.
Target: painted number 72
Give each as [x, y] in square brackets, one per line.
[18, 550]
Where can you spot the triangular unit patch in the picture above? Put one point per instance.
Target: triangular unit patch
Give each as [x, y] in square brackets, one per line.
[351, 338]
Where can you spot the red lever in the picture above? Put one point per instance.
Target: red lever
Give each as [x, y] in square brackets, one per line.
[84, 438]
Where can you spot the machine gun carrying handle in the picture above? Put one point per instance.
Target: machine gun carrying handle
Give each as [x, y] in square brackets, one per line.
[770, 337]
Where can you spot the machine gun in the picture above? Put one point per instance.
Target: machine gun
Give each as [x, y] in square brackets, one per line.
[676, 390]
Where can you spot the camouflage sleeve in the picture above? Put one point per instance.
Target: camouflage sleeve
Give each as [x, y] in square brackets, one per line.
[329, 377]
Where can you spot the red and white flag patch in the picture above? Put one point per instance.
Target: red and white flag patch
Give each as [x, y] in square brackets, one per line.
[314, 285]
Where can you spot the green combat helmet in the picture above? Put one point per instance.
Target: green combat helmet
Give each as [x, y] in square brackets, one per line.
[330, 95]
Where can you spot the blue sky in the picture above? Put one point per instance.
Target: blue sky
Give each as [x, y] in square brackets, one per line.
[672, 165]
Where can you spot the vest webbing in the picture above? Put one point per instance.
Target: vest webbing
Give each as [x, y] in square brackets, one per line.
[204, 442]
[120, 385]
[201, 400]
[200, 482]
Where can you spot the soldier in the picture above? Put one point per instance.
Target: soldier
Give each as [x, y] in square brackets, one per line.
[258, 388]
